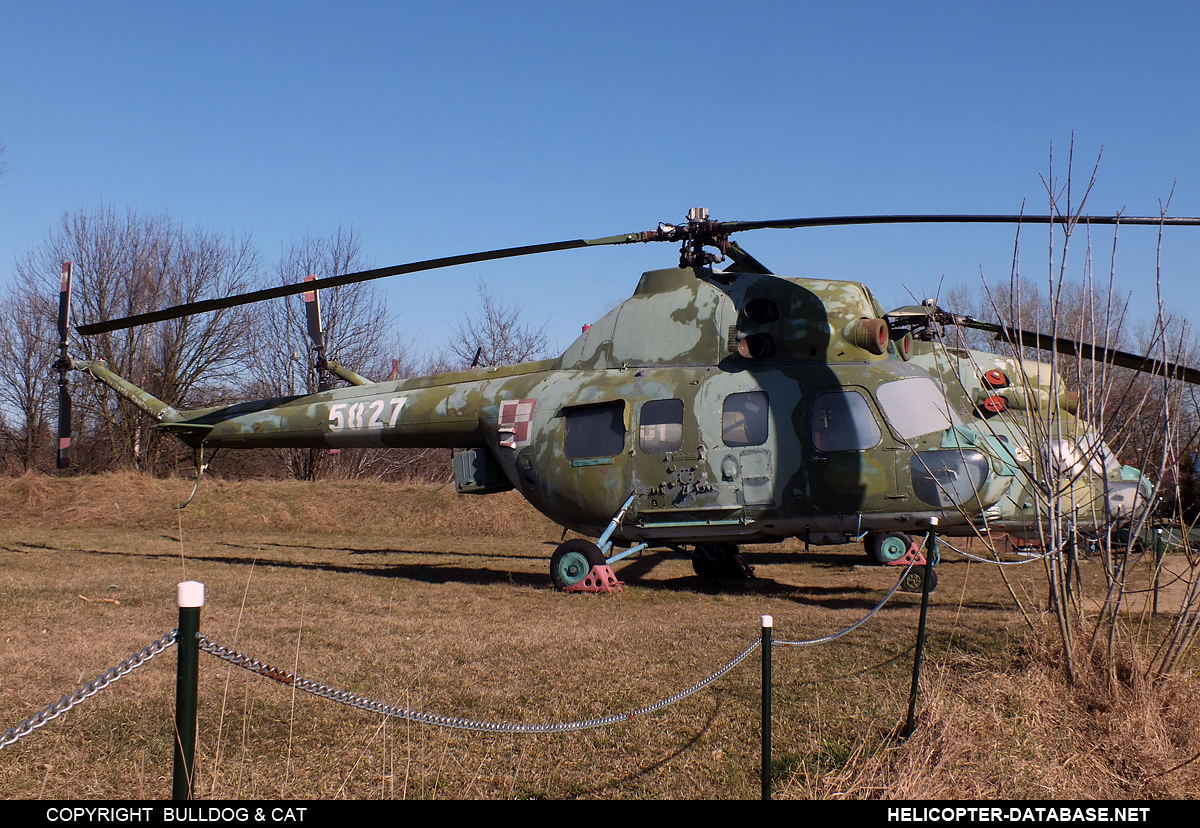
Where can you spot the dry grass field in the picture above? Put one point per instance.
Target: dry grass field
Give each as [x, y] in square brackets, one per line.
[444, 604]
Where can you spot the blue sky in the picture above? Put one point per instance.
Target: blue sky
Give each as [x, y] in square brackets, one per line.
[469, 126]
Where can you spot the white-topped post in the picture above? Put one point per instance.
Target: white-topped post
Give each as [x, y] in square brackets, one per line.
[767, 623]
[189, 596]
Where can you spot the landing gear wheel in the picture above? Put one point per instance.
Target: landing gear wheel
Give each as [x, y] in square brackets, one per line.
[705, 568]
[886, 548]
[915, 578]
[573, 560]
[721, 560]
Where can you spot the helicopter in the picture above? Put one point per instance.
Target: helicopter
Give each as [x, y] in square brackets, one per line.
[1022, 409]
[713, 408]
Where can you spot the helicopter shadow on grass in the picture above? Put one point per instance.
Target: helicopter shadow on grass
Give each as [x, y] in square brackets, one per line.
[373, 551]
[826, 597]
[632, 574]
[839, 597]
[428, 573]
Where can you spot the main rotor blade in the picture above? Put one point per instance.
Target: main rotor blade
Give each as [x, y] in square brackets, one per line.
[345, 279]
[837, 221]
[312, 317]
[703, 231]
[1069, 347]
[743, 262]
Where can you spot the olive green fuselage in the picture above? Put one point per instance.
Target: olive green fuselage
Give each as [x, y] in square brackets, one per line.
[733, 407]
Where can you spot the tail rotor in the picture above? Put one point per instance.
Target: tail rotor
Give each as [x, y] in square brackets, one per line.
[316, 333]
[64, 365]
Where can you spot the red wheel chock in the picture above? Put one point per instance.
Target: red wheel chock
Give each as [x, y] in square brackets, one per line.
[600, 579]
[914, 555]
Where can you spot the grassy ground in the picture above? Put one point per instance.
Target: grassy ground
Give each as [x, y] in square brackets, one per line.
[444, 604]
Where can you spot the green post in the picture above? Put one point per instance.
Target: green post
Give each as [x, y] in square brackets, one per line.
[1158, 559]
[767, 623]
[930, 556]
[1072, 563]
[190, 598]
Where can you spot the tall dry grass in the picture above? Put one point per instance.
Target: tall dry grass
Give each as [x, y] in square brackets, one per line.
[1019, 729]
[130, 499]
[445, 604]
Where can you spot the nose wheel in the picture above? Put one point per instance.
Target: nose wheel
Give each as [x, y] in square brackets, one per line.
[887, 548]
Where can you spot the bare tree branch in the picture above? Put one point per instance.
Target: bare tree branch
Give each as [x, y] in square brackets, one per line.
[497, 333]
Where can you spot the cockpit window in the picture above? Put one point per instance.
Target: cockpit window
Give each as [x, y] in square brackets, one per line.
[1072, 457]
[595, 430]
[744, 419]
[1100, 456]
[916, 406]
[842, 421]
[662, 426]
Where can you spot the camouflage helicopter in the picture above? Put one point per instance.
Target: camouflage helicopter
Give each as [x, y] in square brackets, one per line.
[1026, 418]
[712, 408]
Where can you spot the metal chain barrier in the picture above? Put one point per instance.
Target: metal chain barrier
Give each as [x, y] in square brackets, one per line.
[325, 691]
[976, 558]
[88, 690]
[363, 703]
[834, 636]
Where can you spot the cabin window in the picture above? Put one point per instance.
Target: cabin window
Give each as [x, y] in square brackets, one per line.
[842, 421]
[744, 419]
[595, 430]
[916, 406]
[662, 426]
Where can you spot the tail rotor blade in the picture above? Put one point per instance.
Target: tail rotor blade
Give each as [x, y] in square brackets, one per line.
[312, 314]
[64, 365]
[316, 332]
[64, 303]
[64, 426]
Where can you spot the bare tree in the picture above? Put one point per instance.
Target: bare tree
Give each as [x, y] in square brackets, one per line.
[1123, 400]
[27, 350]
[356, 323]
[496, 332]
[1149, 420]
[127, 264]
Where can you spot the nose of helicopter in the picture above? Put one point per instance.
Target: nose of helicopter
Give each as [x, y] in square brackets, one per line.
[954, 477]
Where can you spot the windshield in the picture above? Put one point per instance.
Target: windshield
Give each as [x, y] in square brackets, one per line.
[1071, 457]
[916, 406]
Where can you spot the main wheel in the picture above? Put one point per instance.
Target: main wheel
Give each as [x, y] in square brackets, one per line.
[720, 560]
[573, 560]
[885, 549]
[705, 568]
[869, 542]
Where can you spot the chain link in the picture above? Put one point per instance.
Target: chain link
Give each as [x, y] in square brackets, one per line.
[88, 690]
[325, 691]
[363, 703]
[978, 559]
[834, 636]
